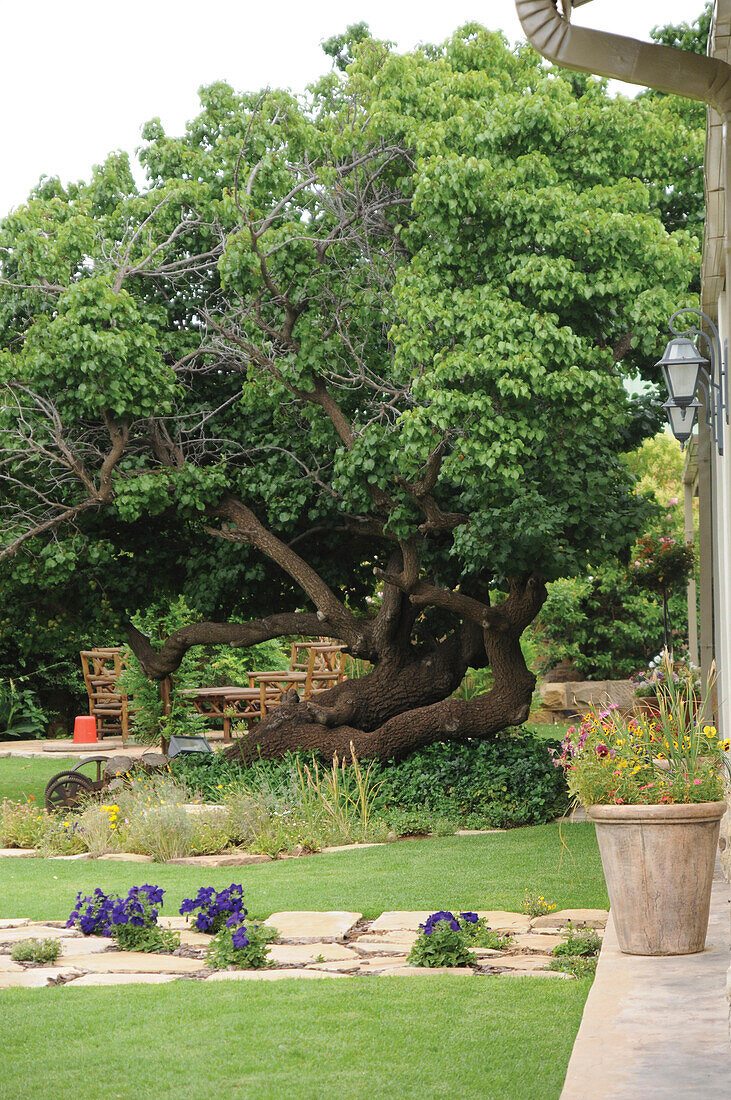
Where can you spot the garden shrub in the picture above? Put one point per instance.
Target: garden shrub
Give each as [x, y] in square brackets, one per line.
[419, 823]
[507, 781]
[581, 941]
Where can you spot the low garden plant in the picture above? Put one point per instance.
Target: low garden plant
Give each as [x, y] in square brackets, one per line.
[130, 920]
[134, 921]
[22, 824]
[239, 945]
[213, 908]
[480, 934]
[536, 905]
[580, 941]
[35, 950]
[444, 941]
[580, 966]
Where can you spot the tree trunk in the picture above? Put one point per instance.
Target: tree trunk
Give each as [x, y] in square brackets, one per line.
[397, 698]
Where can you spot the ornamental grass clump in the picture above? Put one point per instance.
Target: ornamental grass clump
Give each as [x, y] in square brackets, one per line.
[669, 757]
[443, 941]
[215, 907]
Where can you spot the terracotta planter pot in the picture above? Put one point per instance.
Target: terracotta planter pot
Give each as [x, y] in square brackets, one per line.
[658, 862]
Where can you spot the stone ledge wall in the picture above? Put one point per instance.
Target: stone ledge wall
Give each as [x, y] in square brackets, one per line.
[575, 698]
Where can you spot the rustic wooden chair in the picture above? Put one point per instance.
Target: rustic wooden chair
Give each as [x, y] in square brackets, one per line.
[102, 669]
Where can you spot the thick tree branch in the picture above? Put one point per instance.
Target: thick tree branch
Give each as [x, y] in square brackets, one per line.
[160, 663]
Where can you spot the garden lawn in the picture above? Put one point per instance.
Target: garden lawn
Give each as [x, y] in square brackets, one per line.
[489, 871]
[346, 1039]
[22, 778]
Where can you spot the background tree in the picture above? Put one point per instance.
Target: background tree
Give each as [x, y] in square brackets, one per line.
[384, 330]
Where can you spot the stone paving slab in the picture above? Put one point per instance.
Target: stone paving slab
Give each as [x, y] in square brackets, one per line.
[37, 931]
[36, 977]
[299, 954]
[337, 966]
[13, 922]
[381, 962]
[415, 971]
[269, 975]
[308, 926]
[503, 921]
[18, 853]
[477, 832]
[349, 847]
[87, 945]
[523, 962]
[532, 941]
[590, 918]
[364, 947]
[123, 979]
[400, 920]
[127, 857]
[136, 962]
[243, 859]
[401, 938]
[657, 1026]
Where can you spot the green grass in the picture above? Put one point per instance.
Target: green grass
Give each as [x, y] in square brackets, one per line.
[548, 730]
[487, 1039]
[22, 778]
[346, 1039]
[475, 872]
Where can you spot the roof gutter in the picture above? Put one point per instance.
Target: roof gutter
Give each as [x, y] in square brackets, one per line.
[678, 72]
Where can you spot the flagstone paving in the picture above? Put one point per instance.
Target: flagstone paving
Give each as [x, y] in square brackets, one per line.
[311, 944]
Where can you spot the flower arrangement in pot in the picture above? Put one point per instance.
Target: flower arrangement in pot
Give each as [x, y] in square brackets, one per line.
[654, 788]
[647, 682]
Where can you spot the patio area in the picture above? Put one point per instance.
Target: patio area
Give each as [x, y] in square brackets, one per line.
[658, 1027]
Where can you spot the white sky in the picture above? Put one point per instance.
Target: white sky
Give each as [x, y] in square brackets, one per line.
[79, 78]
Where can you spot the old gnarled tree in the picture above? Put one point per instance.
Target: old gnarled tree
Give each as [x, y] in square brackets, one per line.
[351, 368]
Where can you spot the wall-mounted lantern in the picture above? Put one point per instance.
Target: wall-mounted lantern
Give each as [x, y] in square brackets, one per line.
[685, 369]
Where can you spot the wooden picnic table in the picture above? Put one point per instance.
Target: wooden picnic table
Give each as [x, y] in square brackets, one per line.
[230, 701]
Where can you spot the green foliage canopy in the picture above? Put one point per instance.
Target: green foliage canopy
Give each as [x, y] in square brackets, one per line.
[444, 260]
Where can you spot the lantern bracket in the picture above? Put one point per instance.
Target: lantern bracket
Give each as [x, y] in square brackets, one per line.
[713, 382]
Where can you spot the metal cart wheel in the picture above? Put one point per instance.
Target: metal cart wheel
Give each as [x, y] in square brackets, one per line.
[64, 790]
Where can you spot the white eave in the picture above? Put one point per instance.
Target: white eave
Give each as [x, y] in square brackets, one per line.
[713, 273]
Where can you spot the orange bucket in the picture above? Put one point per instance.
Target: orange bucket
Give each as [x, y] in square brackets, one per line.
[85, 728]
